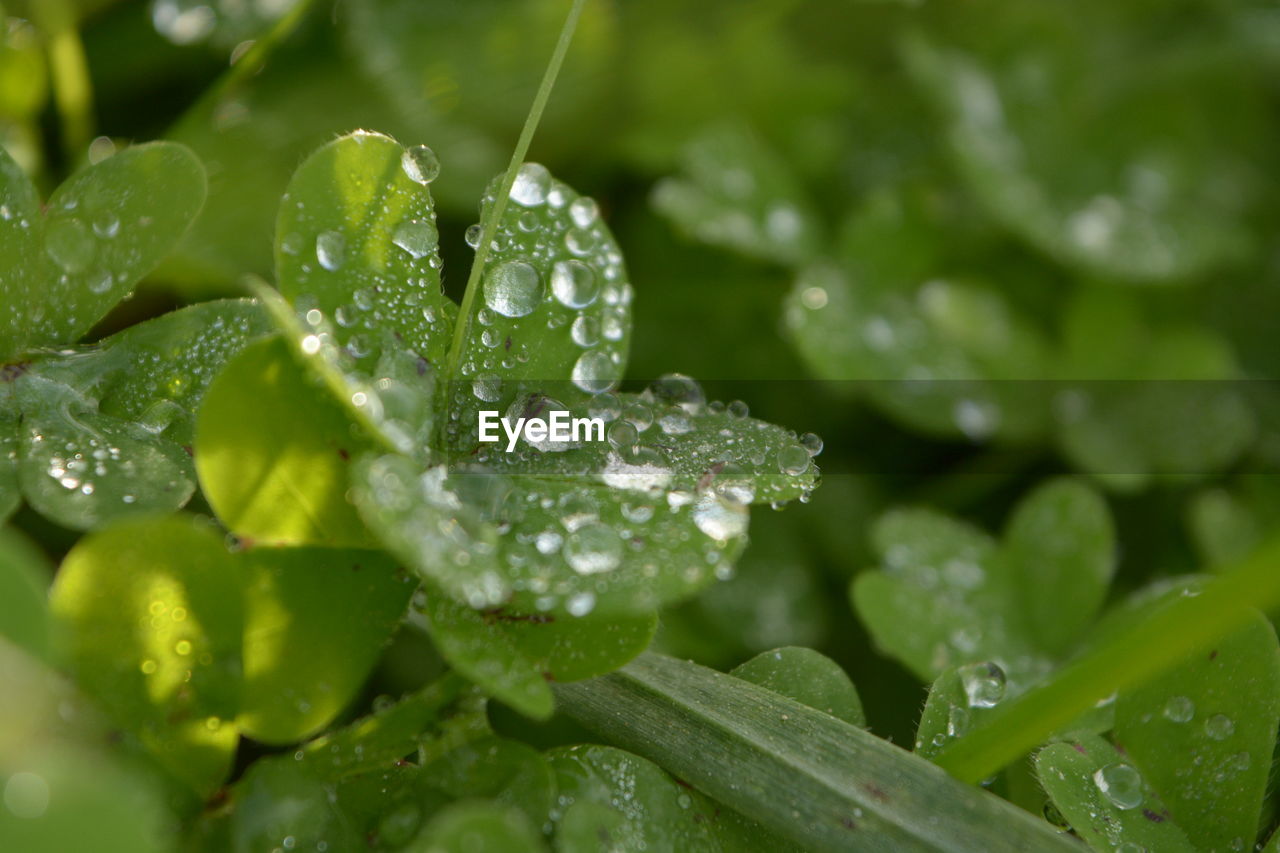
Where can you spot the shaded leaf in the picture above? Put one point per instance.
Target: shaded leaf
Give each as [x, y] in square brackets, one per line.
[24, 585]
[272, 451]
[808, 677]
[150, 617]
[478, 827]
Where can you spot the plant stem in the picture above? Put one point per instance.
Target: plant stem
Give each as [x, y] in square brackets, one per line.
[69, 73]
[1165, 638]
[490, 222]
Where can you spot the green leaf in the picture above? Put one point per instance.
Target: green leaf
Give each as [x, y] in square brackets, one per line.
[272, 452]
[890, 316]
[1033, 159]
[495, 768]
[949, 594]
[83, 469]
[478, 827]
[24, 585]
[10, 487]
[101, 232]
[1062, 542]
[316, 621]
[1105, 799]
[737, 193]
[808, 677]
[958, 699]
[150, 620]
[622, 801]
[356, 240]
[802, 773]
[944, 598]
[552, 314]
[160, 370]
[1203, 735]
[478, 648]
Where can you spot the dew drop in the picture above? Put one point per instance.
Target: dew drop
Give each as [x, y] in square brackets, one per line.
[574, 283]
[513, 289]
[331, 250]
[473, 235]
[594, 372]
[719, 518]
[531, 185]
[793, 460]
[68, 243]
[1219, 727]
[1179, 709]
[593, 548]
[585, 331]
[1121, 784]
[416, 236]
[421, 164]
[984, 684]
[584, 211]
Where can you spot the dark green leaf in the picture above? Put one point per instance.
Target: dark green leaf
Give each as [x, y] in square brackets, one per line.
[24, 586]
[808, 677]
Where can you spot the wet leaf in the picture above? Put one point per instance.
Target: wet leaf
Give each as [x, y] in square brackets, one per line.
[316, 620]
[356, 241]
[800, 772]
[553, 310]
[478, 827]
[267, 477]
[1131, 204]
[808, 677]
[1203, 735]
[101, 232]
[950, 595]
[82, 469]
[150, 618]
[160, 370]
[737, 193]
[24, 585]
[1104, 798]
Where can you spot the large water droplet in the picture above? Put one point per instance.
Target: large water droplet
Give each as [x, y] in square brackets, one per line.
[416, 236]
[593, 548]
[719, 518]
[1219, 727]
[680, 390]
[531, 185]
[513, 289]
[1179, 709]
[984, 684]
[574, 284]
[585, 331]
[583, 211]
[594, 372]
[1121, 784]
[331, 250]
[420, 163]
[68, 242]
[793, 460]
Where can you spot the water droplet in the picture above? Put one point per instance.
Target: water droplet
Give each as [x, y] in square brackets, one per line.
[793, 460]
[811, 443]
[331, 250]
[473, 235]
[622, 435]
[593, 548]
[579, 241]
[68, 242]
[594, 372]
[581, 604]
[416, 236]
[984, 684]
[719, 518]
[531, 185]
[1179, 709]
[421, 164]
[1219, 727]
[574, 284]
[100, 282]
[738, 409]
[26, 795]
[584, 211]
[106, 226]
[1121, 784]
[585, 331]
[513, 289]
[680, 390]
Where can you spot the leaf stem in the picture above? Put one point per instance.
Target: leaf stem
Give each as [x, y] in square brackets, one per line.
[490, 223]
[69, 73]
[1164, 638]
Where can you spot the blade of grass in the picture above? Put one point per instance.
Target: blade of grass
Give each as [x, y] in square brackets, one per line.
[1161, 640]
[490, 224]
[818, 780]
